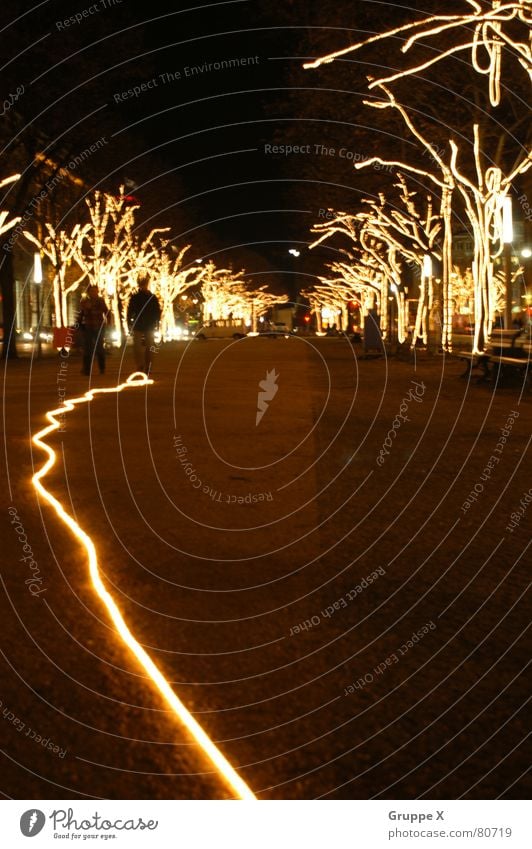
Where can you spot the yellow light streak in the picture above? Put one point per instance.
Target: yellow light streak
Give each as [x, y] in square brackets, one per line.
[237, 785]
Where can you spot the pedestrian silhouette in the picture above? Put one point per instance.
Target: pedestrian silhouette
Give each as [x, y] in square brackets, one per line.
[91, 320]
[143, 314]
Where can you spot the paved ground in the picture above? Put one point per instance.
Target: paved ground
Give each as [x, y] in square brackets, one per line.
[239, 555]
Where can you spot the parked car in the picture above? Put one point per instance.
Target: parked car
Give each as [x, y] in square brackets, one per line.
[273, 328]
[30, 335]
[223, 328]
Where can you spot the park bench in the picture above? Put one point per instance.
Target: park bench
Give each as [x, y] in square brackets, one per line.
[502, 364]
[502, 355]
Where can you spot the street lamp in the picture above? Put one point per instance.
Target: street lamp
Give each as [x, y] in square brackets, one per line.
[37, 279]
[507, 239]
[295, 253]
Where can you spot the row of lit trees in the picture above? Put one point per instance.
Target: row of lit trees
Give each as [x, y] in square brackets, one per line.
[386, 236]
[108, 252]
[382, 238]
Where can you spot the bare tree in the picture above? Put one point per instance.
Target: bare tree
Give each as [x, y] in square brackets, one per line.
[171, 278]
[61, 249]
[111, 254]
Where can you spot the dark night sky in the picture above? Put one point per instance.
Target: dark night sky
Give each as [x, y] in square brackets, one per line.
[194, 143]
[212, 127]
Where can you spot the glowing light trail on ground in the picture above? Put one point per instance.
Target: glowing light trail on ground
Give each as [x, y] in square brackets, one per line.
[237, 785]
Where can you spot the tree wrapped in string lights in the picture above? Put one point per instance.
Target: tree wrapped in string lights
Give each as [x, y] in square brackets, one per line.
[62, 249]
[6, 223]
[359, 273]
[226, 297]
[356, 279]
[359, 279]
[329, 301]
[393, 233]
[170, 278]
[463, 289]
[387, 235]
[485, 32]
[259, 302]
[111, 254]
[224, 294]
[483, 198]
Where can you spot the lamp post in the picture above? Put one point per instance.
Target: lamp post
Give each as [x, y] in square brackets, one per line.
[507, 239]
[37, 279]
[291, 272]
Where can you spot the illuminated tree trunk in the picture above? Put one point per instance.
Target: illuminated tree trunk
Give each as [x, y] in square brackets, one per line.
[344, 318]
[167, 320]
[420, 327]
[481, 281]
[60, 300]
[400, 312]
[382, 307]
[118, 320]
[447, 270]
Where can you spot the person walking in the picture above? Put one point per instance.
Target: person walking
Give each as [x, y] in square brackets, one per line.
[92, 319]
[143, 314]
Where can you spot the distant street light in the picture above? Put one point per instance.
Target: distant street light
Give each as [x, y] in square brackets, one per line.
[294, 252]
